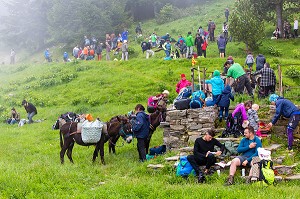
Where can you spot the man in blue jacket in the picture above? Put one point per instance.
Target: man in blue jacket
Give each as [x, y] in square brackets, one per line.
[260, 62]
[287, 109]
[248, 149]
[141, 130]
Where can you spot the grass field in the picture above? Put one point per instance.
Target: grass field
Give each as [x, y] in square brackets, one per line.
[29, 159]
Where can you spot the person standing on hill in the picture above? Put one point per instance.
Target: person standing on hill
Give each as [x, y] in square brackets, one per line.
[153, 39]
[204, 46]
[75, 52]
[107, 51]
[99, 49]
[249, 61]
[198, 43]
[221, 46]
[30, 109]
[12, 56]
[189, 44]
[124, 50]
[267, 81]
[211, 29]
[260, 62]
[167, 47]
[226, 14]
[141, 130]
[287, 109]
[47, 55]
[217, 85]
[296, 28]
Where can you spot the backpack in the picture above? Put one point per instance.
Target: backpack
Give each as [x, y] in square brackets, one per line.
[233, 126]
[151, 105]
[184, 168]
[196, 102]
[157, 150]
[266, 173]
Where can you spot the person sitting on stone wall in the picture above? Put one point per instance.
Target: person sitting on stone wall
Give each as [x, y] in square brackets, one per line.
[204, 154]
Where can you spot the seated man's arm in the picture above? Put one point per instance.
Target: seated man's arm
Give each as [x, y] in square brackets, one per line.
[242, 146]
[197, 150]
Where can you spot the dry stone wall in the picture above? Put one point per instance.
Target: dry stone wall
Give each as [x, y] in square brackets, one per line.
[184, 126]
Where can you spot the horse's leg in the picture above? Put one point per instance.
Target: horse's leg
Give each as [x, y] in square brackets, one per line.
[147, 144]
[63, 150]
[97, 148]
[101, 148]
[69, 152]
[110, 144]
[115, 139]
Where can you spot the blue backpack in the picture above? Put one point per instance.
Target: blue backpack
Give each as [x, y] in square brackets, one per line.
[184, 168]
[196, 102]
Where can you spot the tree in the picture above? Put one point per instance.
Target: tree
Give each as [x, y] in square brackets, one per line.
[246, 27]
[265, 9]
[26, 23]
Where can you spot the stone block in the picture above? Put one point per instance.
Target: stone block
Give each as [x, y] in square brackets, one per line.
[177, 134]
[195, 127]
[186, 149]
[178, 127]
[168, 118]
[204, 130]
[284, 170]
[174, 122]
[208, 125]
[173, 158]
[193, 138]
[190, 133]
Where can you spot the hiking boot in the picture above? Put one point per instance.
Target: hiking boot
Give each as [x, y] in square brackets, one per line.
[230, 180]
[290, 148]
[201, 178]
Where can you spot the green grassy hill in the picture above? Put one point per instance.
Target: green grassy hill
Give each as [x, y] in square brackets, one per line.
[29, 158]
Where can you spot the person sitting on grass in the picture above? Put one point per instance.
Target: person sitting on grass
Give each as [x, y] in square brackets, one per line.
[14, 118]
[204, 154]
[287, 109]
[248, 149]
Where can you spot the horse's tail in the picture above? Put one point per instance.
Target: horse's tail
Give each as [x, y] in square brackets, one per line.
[61, 139]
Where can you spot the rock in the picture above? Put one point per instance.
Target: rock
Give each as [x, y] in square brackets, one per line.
[190, 133]
[294, 177]
[196, 127]
[284, 170]
[228, 139]
[273, 147]
[186, 149]
[177, 127]
[155, 166]
[173, 158]
[193, 138]
[204, 130]
[278, 178]
[164, 124]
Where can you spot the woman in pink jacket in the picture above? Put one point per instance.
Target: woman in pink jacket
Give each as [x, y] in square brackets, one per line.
[182, 83]
[242, 108]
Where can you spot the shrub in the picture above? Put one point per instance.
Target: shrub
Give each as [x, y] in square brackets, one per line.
[296, 53]
[275, 51]
[292, 72]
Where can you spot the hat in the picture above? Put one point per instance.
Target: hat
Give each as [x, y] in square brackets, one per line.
[166, 92]
[182, 75]
[181, 41]
[255, 107]
[273, 98]
[89, 117]
[216, 73]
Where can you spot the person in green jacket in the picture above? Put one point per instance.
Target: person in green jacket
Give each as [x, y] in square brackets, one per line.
[237, 72]
[189, 44]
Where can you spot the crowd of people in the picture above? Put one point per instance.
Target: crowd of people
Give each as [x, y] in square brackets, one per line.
[287, 30]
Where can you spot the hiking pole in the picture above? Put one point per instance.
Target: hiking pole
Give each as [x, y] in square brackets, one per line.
[192, 76]
[199, 77]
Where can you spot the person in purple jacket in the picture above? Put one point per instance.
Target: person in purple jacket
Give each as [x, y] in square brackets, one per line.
[242, 109]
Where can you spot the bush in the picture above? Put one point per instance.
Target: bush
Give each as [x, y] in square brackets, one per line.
[167, 13]
[292, 72]
[296, 53]
[274, 51]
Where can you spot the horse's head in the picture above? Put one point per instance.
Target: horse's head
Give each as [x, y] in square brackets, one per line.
[58, 124]
[125, 129]
[162, 109]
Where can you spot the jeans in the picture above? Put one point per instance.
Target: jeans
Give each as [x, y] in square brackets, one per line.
[222, 108]
[189, 51]
[167, 53]
[30, 116]
[141, 147]
[125, 56]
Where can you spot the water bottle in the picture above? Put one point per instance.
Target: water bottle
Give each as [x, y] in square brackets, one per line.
[243, 172]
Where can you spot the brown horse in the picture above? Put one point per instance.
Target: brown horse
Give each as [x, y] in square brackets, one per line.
[117, 126]
[155, 118]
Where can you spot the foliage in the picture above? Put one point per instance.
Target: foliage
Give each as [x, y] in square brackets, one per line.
[275, 51]
[292, 72]
[167, 13]
[246, 27]
[296, 53]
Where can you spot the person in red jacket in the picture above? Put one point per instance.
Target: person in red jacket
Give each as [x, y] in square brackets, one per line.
[182, 83]
[204, 46]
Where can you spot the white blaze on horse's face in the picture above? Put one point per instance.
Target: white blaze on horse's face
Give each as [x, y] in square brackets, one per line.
[129, 139]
